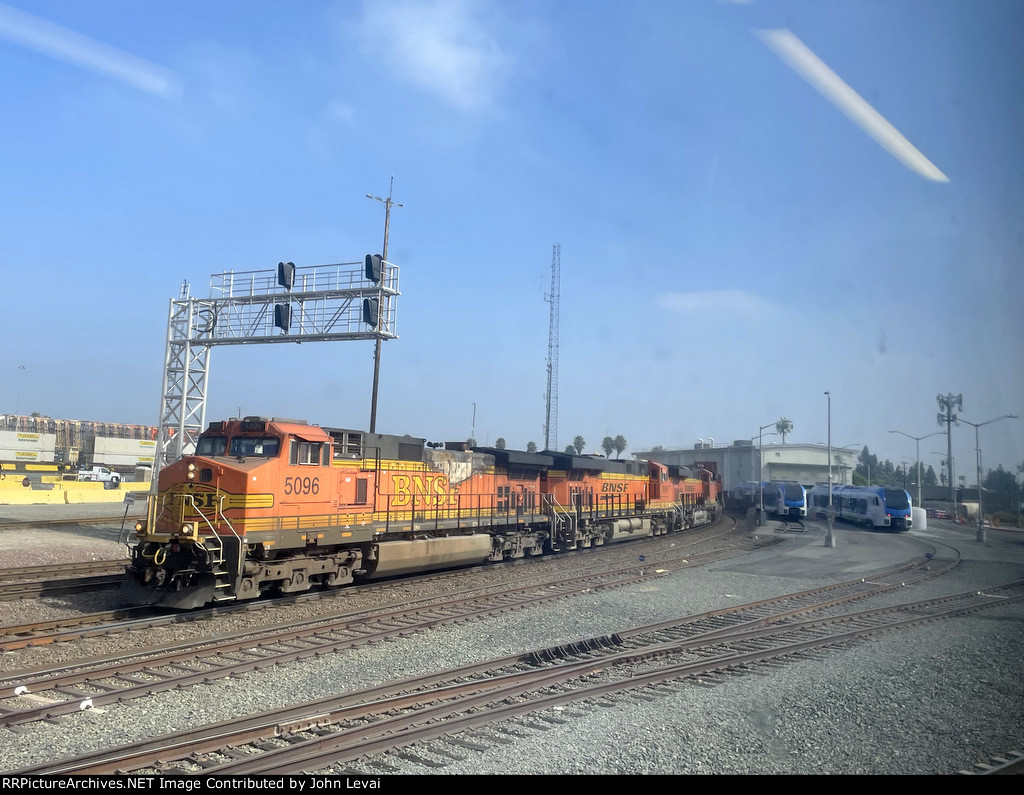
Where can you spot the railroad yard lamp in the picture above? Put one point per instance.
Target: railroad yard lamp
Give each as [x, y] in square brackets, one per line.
[830, 539]
[918, 439]
[760, 467]
[977, 452]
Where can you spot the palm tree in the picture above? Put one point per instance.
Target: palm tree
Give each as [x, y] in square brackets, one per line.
[579, 444]
[783, 427]
[608, 444]
[620, 444]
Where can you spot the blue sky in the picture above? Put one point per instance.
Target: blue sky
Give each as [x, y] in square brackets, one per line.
[735, 238]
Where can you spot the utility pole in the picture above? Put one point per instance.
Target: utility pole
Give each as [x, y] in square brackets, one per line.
[388, 204]
[947, 403]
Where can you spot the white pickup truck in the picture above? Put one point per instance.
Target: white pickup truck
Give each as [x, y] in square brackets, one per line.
[101, 474]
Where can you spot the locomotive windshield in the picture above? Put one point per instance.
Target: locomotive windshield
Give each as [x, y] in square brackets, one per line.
[211, 445]
[794, 492]
[896, 498]
[260, 446]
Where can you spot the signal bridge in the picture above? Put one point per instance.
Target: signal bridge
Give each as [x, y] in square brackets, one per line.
[318, 303]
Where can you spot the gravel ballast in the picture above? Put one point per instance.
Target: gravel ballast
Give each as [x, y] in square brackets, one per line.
[936, 700]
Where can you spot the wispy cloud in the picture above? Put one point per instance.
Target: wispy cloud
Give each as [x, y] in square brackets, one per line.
[812, 69]
[445, 47]
[717, 301]
[74, 48]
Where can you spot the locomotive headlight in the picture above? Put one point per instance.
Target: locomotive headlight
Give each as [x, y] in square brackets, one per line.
[140, 528]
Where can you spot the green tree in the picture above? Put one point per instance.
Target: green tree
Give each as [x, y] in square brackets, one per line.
[579, 444]
[570, 449]
[471, 441]
[928, 477]
[999, 479]
[608, 445]
[500, 443]
[867, 468]
[531, 447]
[783, 427]
[620, 444]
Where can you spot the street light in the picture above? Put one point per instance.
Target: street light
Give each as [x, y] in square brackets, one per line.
[918, 439]
[977, 451]
[760, 467]
[830, 539]
[388, 204]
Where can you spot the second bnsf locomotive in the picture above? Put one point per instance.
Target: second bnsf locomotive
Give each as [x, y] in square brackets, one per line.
[280, 505]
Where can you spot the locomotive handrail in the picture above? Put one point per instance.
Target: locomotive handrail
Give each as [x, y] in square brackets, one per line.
[190, 498]
[220, 511]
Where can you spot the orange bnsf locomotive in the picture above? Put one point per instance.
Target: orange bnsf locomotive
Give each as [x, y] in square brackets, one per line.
[280, 505]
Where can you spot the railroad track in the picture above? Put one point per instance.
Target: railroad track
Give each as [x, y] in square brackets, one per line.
[479, 705]
[60, 569]
[26, 590]
[1009, 764]
[40, 524]
[20, 583]
[130, 675]
[120, 677]
[42, 633]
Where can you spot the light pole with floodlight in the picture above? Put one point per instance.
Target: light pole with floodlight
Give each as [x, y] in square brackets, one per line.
[918, 439]
[760, 468]
[830, 539]
[977, 451]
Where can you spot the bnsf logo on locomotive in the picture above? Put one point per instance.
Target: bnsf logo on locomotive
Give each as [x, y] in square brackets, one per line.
[614, 487]
[425, 490]
[205, 500]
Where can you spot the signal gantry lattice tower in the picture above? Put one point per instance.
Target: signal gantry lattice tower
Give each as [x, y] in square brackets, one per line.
[344, 301]
[551, 417]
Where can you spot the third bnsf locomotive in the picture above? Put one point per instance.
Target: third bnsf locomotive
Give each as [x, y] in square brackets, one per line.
[280, 505]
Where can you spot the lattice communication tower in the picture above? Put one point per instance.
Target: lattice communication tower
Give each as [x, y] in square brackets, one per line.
[551, 416]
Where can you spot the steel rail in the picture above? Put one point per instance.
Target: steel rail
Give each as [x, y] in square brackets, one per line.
[313, 636]
[440, 702]
[92, 624]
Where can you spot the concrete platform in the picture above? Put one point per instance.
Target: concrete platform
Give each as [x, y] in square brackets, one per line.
[860, 551]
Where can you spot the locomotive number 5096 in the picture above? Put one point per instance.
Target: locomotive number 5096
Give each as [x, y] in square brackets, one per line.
[300, 485]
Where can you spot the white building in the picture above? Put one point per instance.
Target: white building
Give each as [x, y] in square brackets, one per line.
[738, 462]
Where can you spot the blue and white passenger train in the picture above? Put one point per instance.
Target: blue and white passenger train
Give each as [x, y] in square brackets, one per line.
[877, 506]
[781, 497]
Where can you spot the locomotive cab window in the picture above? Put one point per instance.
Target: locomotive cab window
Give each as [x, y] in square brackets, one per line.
[211, 445]
[302, 452]
[261, 446]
